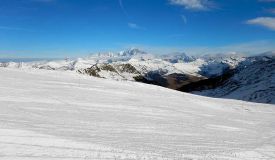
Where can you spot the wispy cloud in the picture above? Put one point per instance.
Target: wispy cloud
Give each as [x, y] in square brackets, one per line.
[270, 10]
[198, 5]
[183, 17]
[135, 26]
[268, 22]
[123, 9]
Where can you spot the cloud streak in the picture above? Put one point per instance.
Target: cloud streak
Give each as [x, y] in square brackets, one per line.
[183, 17]
[198, 5]
[123, 9]
[135, 26]
[268, 22]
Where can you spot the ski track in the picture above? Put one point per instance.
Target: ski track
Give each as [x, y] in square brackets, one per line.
[63, 115]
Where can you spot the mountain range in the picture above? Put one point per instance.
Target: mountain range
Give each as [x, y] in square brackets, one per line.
[215, 75]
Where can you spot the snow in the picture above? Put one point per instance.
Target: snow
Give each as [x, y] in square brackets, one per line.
[191, 68]
[81, 63]
[154, 65]
[253, 81]
[63, 115]
[180, 63]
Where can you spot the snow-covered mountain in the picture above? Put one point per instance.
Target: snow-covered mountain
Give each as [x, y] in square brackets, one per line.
[176, 71]
[145, 64]
[63, 115]
[121, 56]
[253, 80]
[178, 57]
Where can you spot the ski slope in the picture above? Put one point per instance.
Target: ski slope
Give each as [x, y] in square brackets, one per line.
[49, 115]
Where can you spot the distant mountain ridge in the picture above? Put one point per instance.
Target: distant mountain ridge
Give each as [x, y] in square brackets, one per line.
[176, 70]
[165, 68]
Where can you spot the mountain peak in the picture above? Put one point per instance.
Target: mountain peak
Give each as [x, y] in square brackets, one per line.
[178, 56]
[132, 52]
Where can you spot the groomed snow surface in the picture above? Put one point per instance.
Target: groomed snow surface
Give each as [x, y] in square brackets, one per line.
[63, 115]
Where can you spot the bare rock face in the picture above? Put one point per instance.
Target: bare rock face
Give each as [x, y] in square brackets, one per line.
[113, 70]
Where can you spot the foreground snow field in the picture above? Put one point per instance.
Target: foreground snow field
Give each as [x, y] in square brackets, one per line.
[63, 115]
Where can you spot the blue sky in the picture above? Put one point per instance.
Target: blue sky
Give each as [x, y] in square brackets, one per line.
[72, 28]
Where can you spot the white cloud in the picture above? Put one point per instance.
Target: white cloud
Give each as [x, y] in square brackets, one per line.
[193, 4]
[268, 22]
[135, 26]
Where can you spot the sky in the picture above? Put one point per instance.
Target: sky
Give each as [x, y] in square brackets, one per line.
[74, 28]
